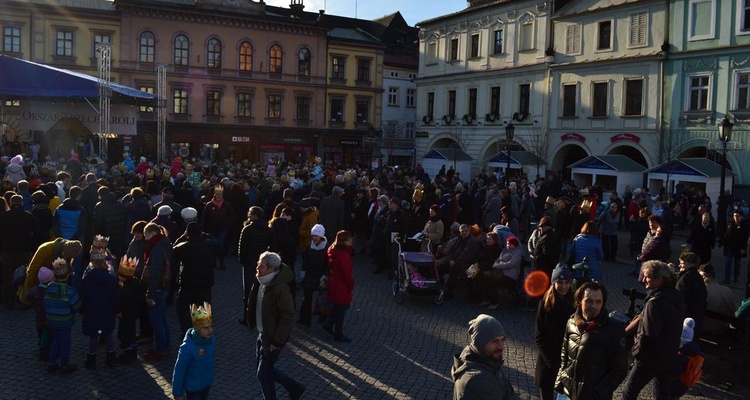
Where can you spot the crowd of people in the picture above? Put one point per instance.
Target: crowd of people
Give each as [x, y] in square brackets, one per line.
[117, 243]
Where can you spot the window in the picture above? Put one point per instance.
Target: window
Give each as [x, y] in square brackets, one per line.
[431, 104]
[524, 98]
[744, 15]
[701, 19]
[573, 39]
[604, 41]
[363, 111]
[495, 101]
[527, 36]
[180, 97]
[497, 42]
[244, 105]
[147, 89]
[101, 38]
[337, 110]
[337, 67]
[303, 108]
[432, 52]
[213, 54]
[569, 100]
[181, 50]
[12, 39]
[698, 100]
[275, 63]
[474, 45]
[303, 62]
[409, 130]
[147, 47]
[599, 99]
[246, 57]
[274, 106]
[454, 50]
[452, 103]
[634, 97]
[64, 45]
[743, 91]
[638, 29]
[213, 103]
[411, 94]
[363, 70]
[393, 96]
[472, 110]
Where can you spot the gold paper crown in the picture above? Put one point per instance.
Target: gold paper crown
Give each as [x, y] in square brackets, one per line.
[60, 268]
[587, 204]
[418, 190]
[127, 267]
[374, 183]
[201, 315]
[219, 190]
[100, 242]
[318, 159]
[98, 254]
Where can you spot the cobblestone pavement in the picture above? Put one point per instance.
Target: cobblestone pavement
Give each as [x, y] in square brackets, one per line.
[398, 351]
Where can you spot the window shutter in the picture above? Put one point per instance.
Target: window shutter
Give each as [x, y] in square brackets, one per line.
[638, 29]
[573, 39]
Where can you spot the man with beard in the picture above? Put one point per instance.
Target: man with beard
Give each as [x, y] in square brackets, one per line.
[476, 372]
[594, 356]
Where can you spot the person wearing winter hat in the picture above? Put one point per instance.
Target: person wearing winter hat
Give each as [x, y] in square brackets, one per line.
[36, 297]
[189, 214]
[551, 316]
[314, 266]
[433, 230]
[689, 349]
[476, 371]
[504, 273]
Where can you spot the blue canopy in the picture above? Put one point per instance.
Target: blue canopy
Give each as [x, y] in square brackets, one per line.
[22, 78]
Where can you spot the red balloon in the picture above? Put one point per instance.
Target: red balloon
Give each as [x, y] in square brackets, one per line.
[536, 284]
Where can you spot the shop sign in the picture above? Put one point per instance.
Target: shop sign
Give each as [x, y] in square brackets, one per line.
[292, 140]
[43, 116]
[184, 152]
[573, 136]
[349, 142]
[241, 139]
[625, 136]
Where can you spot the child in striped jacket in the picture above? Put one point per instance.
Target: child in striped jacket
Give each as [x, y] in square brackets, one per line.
[61, 303]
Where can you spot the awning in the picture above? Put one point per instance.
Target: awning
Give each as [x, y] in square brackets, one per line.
[448, 155]
[22, 78]
[516, 157]
[691, 166]
[612, 162]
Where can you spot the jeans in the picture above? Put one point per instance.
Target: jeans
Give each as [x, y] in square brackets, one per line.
[199, 395]
[268, 375]
[728, 266]
[158, 320]
[609, 245]
[60, 347]
[305, 311]
[641, 374]
[561, 396]
[337, 319]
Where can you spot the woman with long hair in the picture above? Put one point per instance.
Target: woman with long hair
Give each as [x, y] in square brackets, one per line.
[340, 283]
[551, 316]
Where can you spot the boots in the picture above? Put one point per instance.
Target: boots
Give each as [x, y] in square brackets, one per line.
[90, 361]
[111, 359]
[128, 356]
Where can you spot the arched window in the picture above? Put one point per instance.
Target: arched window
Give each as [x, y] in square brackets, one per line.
[303, 62]
[213, 53]
[147, 47]
[181, 50]
[275, 62]
[246, 56]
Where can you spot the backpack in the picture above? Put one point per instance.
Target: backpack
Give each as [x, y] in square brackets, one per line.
[693, 370]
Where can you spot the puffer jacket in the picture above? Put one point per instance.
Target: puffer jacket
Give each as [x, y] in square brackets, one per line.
[340, 278]
[658, 335]
[277, 308]
[14, 173]
[509, 262]
[589, 246]
[477, 377]
[315, 264]
[255, 238]
[594, 359]
[309, 219]
[197, 258]
[216, 219]
[70, 218]
[111, 220]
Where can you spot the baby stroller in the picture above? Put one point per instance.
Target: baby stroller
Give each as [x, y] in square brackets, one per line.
[416, 274]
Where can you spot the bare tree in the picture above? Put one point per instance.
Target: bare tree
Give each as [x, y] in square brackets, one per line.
[393, 133]
[537, 144]
[669, 150]
[462, 140]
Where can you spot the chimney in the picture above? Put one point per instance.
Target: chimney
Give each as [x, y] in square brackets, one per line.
[297, 6]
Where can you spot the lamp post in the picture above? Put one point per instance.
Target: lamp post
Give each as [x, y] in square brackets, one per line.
[509, 130]
[725, 135]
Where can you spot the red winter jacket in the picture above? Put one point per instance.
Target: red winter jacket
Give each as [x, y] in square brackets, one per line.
[340, 278]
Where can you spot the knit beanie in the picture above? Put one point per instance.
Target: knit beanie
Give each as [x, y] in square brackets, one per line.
[483, 329]
[512, 240]
[189, 213]
[435, 208]
[45, 275]
[687, 331]
[318, 230]
[561, 273]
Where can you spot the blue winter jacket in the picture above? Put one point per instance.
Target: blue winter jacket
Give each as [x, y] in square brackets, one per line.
[61, 303]
[69, 220]
[587, 245]
[194, 369]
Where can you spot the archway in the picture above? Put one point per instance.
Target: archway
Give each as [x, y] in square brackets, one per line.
[445, 143]
[631, 153]
[566, 156]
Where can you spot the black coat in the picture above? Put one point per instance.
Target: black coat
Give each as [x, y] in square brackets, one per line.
[660, 328]
[379, 238]
[419, 215]
[315, 265]
[45, 220]
[111, 220]
[691, 285]
[100, 302]
[547, 252]
[284, 242]
[702, 241]
[255, 238]
[735, 240]
[19, 231]
[197, 258]
[548, 334]
[396, 221]
[594, 362]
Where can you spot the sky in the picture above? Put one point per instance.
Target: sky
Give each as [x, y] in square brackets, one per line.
[413, 11]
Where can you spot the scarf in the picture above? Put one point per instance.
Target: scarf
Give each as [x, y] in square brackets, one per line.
[319, 246]
[266, 279]
[435, 218]
[150, 244]
[218, 203]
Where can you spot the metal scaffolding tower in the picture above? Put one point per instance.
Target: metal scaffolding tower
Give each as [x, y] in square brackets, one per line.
[104, 54]
[161, 112]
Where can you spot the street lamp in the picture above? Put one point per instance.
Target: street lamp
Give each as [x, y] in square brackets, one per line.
[509, 130]
[725, 135]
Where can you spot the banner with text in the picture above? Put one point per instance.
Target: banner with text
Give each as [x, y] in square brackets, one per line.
[43, 116]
